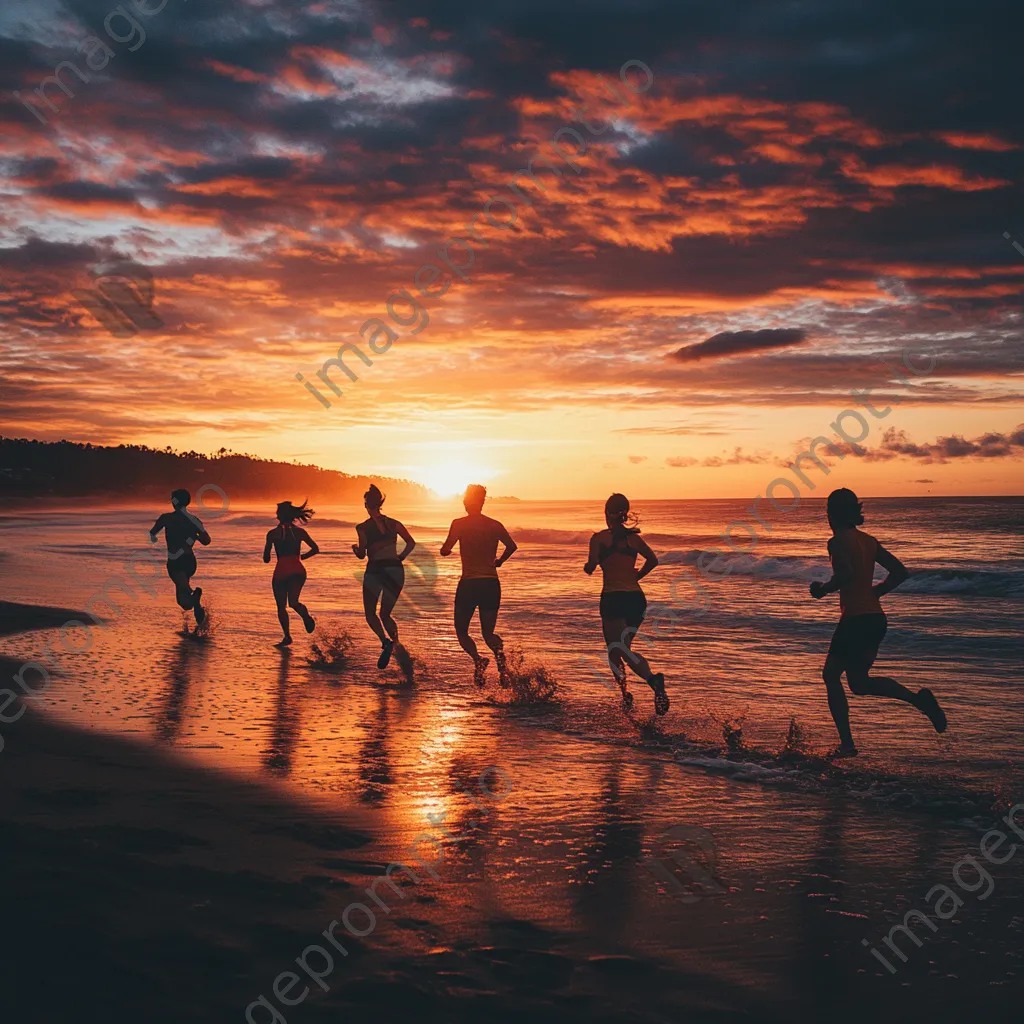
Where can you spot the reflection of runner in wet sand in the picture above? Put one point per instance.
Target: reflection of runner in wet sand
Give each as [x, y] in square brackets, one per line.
[477, 536]
[862, 624]
[289, 573]
[623, 604]
[181, 531]
[385, 574]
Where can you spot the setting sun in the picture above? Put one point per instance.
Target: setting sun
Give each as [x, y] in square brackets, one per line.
[448, 479]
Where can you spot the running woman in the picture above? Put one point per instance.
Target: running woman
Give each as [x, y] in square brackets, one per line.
[181, 531]
[289, 573]
[623, 604]
[479, 587]
[385, 574]
[862, 622]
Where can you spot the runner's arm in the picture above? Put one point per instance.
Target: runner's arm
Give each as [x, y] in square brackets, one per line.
[155, 529]
[451, 540]
[314, 548]
[266, 547]
[841, 573]
[898, 572]
[359, 550]
[650, 558]
[407, 537]
[592, 556]
[201, 535]
[511, 547]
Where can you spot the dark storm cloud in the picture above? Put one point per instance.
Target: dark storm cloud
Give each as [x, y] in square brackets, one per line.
[731, 343]
[86, 192]
[42, 255]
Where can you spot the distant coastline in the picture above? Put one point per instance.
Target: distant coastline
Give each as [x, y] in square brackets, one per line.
[59, 471]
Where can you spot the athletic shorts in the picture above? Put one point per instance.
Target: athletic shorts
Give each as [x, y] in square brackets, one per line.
[185, 564]
[857, 639]
[385, 575]
[482, 593]
[630, 605]
[289, 567]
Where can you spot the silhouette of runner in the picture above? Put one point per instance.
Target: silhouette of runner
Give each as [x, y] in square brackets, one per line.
[181, 531]
[479, 587]
[623, 604]
[385, 574]
[289, 572]
[862, 624]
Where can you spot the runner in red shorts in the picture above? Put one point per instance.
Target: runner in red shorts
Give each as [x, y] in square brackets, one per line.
[289, 573]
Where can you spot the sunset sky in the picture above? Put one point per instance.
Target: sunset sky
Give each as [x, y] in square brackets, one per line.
[803, 191]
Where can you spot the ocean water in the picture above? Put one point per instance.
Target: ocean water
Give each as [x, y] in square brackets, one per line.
[741, 654]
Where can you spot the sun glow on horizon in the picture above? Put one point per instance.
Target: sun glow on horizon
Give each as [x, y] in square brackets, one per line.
[450, 478]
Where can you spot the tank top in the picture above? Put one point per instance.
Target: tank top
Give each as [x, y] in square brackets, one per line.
[857, 597]
[618, 567]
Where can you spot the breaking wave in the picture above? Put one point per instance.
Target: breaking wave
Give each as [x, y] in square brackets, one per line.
[968, 582]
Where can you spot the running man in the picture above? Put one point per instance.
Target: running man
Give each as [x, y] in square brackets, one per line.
[623, 602]
[385, 574]
[289, 573]
[181, 531]
[479, 587]
[862, 623]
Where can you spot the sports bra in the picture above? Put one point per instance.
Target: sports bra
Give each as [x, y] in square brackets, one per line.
[287, 540]
[378, 538]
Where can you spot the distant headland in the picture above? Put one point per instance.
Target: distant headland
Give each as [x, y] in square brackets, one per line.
[129, 473]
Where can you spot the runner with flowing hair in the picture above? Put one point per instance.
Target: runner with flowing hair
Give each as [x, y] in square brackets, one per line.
[289, 573]
[623, 603]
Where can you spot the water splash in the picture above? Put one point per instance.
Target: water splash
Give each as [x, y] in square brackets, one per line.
[530, 684]
[195, 630]
[732, 733]
[331, 651]
[406, 664]
[795, 744]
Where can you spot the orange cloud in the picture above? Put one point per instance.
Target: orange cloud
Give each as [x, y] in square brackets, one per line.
[933, 176]
[967, 140]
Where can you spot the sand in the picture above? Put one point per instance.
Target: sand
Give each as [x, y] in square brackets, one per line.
[144, 885]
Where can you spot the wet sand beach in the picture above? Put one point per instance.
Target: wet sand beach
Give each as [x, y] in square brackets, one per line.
[149, 888]
[196, 810]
